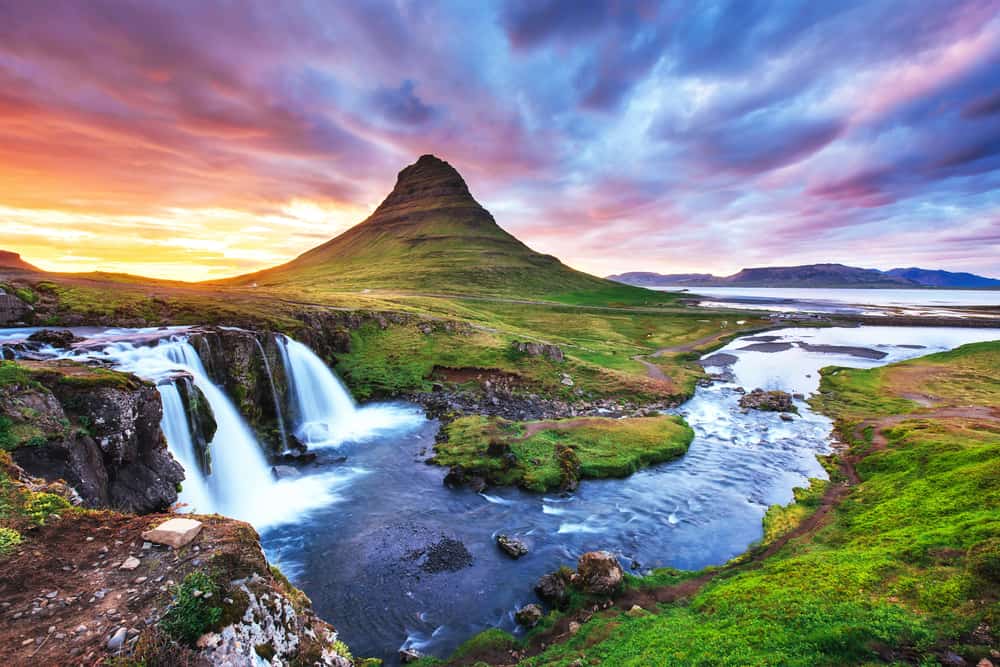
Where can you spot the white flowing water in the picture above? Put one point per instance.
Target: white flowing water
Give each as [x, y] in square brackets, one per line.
[241, 484]
[323, 412]
[177, 431]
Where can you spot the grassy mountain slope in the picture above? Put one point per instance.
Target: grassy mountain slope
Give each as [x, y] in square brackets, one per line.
[430, 235]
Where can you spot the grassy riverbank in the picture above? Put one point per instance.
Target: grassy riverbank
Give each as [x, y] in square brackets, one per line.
[904, 567]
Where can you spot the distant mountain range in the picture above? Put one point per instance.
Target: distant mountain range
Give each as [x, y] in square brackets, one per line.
[814, 275]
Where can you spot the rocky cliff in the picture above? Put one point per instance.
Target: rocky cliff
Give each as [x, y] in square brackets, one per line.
[82, 587]
[97, 429]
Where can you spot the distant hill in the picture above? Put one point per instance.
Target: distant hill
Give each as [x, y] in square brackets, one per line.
[815, 275]
[938, 278]
[429, 235]
[12, 260]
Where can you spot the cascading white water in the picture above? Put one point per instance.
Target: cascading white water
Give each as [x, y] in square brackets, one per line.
[321, 404]
[195, 494]
[323, 412]
[241, 484]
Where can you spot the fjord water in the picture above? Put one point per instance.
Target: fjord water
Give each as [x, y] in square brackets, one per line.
[843, 300]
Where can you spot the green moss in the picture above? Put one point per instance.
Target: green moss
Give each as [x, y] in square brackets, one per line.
[562, 452]
[9, 539]
[40, 506]
[190, 615]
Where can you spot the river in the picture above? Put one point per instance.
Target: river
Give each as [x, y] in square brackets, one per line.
[396, 559]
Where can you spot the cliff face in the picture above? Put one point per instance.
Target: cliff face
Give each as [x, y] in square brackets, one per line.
[96, 429]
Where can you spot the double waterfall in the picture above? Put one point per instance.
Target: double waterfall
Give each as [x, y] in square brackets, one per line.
[239, 482]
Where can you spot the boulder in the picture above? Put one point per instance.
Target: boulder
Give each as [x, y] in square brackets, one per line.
[552, 589]
[512, 546]
[12, 309]
[599, 573]
[552, 352]
[529, 615]
[55, 338]
[768, 401]
[285, 472]
[175, 533]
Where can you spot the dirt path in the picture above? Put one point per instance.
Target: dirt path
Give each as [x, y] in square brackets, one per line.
[880, 442]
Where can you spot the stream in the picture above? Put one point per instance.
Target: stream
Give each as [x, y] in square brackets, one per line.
[395, 559]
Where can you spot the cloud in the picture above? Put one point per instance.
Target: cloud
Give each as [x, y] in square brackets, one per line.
[616, 135]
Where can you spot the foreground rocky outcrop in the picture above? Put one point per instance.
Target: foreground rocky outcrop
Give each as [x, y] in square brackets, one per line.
[87, 587]
[97, 429]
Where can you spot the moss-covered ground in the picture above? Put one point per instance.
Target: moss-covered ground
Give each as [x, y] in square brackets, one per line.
[541, 456]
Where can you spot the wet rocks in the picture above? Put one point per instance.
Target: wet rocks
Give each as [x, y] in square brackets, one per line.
[768, 401]
[458, 477]
[445, 555]
[785, 417]
[551, 352]
[512, 546]
[285, 472]
[99, 430]
[408, 655]
[529, 615]
[553, 588]
[54, 337]
[599, 573]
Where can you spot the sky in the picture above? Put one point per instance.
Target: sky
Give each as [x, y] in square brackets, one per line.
[191, 139]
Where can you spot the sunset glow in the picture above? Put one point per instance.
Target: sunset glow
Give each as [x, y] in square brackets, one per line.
[191, 141]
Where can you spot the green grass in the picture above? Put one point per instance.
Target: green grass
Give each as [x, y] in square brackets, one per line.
[596, 448]
[907, 565]
[190, 615]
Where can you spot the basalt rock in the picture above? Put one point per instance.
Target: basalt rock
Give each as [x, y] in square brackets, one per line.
[97, 429]
[245, 363]
[529, 615]
[201, 421]
[12, 309]
[553, 588]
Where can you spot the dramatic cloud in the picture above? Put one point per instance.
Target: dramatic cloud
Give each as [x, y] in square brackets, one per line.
[192, 140]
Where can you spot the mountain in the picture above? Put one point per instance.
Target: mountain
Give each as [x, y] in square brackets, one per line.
[813, 275]
[945, 279]
[645, 278]
[429, 235]
[12, 260]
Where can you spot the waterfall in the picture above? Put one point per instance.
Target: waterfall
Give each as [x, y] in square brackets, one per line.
[176, 429]
[274, 395]
[241, 484]
[323, 410]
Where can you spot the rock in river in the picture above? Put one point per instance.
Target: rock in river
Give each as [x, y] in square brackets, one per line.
[512, 546]
[768, 401]
[552, 589]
